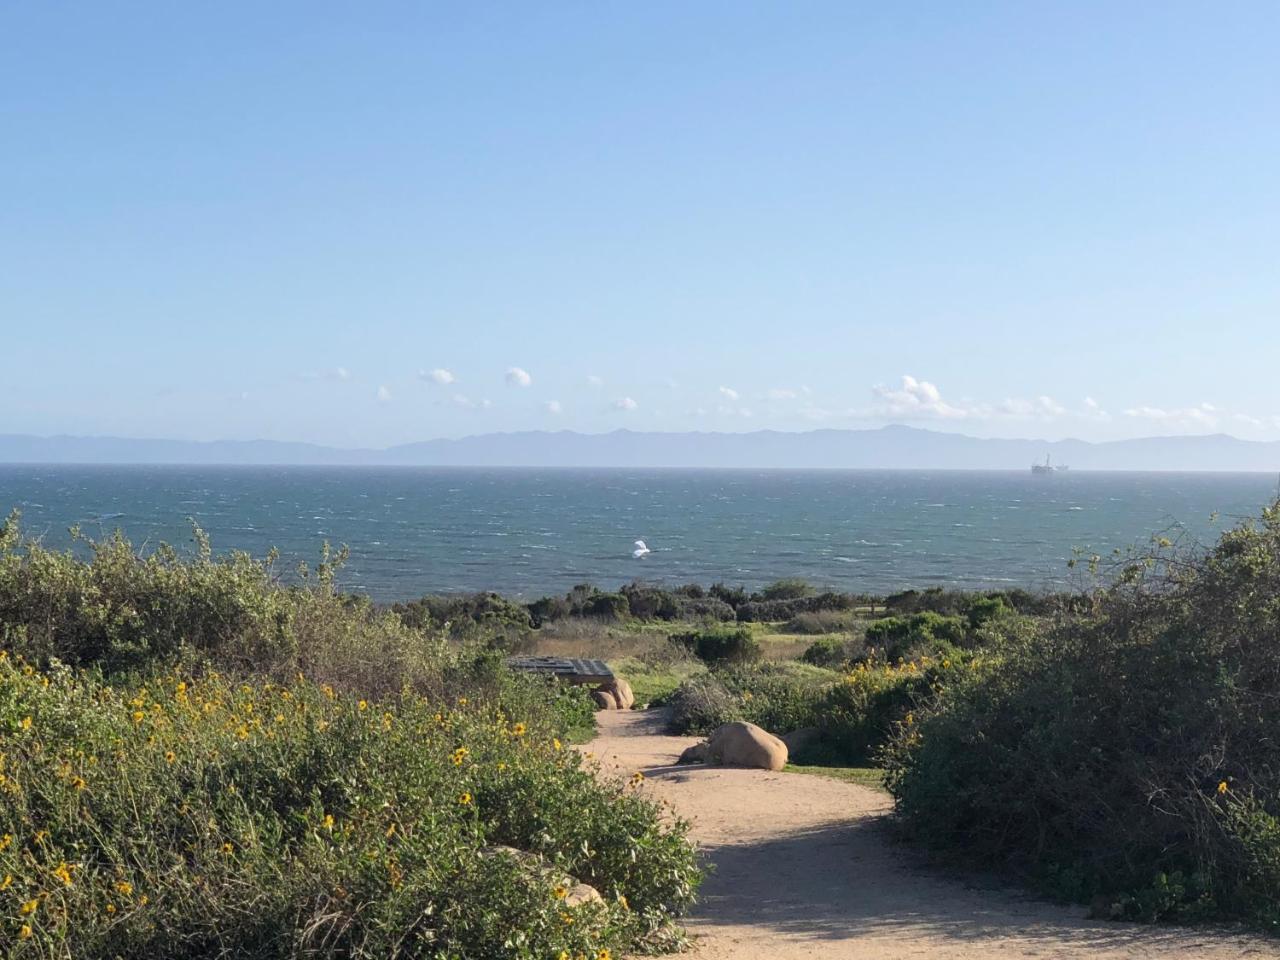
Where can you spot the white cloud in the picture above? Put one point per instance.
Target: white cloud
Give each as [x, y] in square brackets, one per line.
[781, 393]
[518, 377]
[625, 403]
[438, 375]
[341, 373]
[1204, 415]
[384, 395]
[1041, 408]
[594, 381]
[729, 393]
[916, 399]
[461, 400]
[553, 406]
[1093, 410]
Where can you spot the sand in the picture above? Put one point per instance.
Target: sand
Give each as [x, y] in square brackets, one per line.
[803, 867]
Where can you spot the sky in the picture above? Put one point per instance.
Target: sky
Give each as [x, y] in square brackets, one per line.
[368, 224]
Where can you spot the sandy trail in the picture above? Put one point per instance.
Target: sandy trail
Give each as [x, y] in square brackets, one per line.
[803, 869]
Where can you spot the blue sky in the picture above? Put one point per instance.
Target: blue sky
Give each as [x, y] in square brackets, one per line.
[376, 223]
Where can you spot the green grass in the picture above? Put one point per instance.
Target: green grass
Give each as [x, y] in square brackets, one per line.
[653, 684]
[872, 777]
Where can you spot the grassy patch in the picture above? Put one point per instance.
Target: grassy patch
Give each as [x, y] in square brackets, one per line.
[872, 777]
[654, 683]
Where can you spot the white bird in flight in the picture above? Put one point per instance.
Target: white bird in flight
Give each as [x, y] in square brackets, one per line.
[640, 550]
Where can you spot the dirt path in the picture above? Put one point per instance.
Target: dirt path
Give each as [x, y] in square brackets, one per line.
[802, 869]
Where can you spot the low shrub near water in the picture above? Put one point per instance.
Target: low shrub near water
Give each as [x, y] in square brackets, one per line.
[171, 786]
[203, 818]
[720, 646]
[1127, 756]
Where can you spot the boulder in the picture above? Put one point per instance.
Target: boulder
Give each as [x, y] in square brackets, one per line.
[578, 893]
[581, 893]
[621, 691]
[604, 700]
[802, 739]
[743, 744]
[698, 753]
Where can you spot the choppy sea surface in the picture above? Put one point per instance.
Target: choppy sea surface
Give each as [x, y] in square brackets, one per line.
[533, 532]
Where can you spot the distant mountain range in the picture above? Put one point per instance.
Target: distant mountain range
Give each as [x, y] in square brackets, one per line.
[892, 447]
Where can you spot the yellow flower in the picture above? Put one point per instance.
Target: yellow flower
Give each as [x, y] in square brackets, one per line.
[63, 873]
[24, 932]
[29, 907]
[181, 688]
[464, 799]
[170, 756]
[459, 755]
[462, 701]
[637, 778]
[228, 848]
[6, 882]
[328, 821]
[1222, 787]
[5, 841]
[124, 888]
[328, 691]
[25, 723]
[142, 900]
[556, 744]
[603, 953]
[623, 900]
[566, 919]
[111, 908]
[559, 893]
[138, 716]
[518, 730]
[563, 955]
[363, 705]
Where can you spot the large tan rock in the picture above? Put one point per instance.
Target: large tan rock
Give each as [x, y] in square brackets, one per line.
[743, 744]
[604, 700]
[698, 753]
[621, 691]
[581, 893]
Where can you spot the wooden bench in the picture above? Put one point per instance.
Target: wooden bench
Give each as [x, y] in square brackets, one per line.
[568, 669]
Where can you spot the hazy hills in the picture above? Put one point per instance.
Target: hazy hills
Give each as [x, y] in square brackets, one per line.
[892, 447]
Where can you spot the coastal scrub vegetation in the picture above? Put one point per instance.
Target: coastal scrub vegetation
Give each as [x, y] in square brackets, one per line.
[197, 761]
[1125, 756]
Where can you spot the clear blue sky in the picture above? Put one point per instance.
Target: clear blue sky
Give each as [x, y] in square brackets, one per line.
[276, 220]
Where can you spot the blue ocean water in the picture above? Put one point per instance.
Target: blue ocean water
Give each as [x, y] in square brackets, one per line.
[534, 532]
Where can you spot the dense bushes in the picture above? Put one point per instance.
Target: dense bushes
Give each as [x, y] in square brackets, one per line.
[201, 818]
[1128, 756]
[785, 609]
[780, 697]
[826, 652]
[150, 807]
[720, 646]
[898, 638]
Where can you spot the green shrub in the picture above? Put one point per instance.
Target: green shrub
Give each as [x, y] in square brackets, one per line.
[826, 652]
[204, 818]
[859, 714]
[1129, 753]
[607, 606]
[766, 611]
[786, 590]
[720, 646]
[899, 638]
[700, 704]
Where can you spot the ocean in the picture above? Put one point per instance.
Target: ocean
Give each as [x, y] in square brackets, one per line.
[534, 532]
